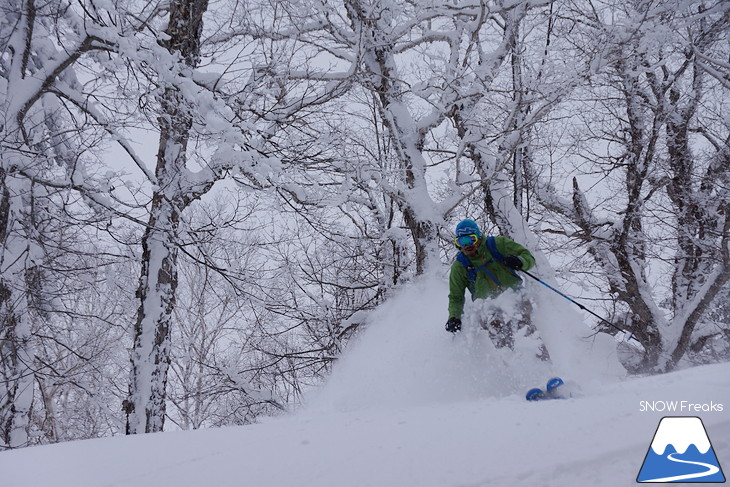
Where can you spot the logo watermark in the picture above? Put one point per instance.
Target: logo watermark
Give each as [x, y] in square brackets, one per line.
[680, 451]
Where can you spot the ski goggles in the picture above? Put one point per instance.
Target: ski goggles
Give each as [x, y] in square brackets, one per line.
[466, 240]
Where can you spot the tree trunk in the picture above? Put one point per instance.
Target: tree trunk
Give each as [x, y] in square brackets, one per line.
[16, 374]
[145, 406]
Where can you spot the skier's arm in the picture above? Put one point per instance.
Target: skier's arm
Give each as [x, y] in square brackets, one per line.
[457, 287]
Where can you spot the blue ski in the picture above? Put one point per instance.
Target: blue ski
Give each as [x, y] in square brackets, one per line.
[551, 391]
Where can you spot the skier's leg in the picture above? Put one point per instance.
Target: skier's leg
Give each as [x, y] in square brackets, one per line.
[499, 329]
[523, 326]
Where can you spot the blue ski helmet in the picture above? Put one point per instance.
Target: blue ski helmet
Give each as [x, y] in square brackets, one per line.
[468, 227]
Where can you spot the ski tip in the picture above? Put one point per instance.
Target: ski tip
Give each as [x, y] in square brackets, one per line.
[534, 394]
[554, 382]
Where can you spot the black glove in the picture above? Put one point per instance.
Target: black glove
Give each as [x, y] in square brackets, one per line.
[513, 262]
[453, 325]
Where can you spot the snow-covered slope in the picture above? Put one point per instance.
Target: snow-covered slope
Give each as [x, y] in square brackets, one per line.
[410, 405]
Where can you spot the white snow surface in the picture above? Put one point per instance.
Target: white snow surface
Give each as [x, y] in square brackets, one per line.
[410, 405]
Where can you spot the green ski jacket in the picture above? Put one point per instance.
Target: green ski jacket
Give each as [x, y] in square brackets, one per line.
[485, 287]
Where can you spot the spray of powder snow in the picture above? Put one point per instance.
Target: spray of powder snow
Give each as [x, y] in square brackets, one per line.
[404, 357]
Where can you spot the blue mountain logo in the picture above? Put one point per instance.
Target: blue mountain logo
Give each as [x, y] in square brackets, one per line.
[681, 452]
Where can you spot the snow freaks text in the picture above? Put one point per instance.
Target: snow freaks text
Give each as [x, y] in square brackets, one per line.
[680, 407]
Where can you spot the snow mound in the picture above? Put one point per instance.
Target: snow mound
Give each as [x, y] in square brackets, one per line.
[597, 440]
[404, 357]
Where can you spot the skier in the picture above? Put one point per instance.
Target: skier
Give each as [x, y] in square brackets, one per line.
[487, 272]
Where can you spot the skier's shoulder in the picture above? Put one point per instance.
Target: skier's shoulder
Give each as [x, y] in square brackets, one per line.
[458, 272]
[496, 246]
[460, 262]
[507, 244]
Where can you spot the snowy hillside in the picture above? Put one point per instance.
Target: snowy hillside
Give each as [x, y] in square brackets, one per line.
[409, 405]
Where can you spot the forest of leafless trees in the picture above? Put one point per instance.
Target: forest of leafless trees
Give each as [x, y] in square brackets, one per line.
[200, 202]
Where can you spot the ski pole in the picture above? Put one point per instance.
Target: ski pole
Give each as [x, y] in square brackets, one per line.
[631, 335]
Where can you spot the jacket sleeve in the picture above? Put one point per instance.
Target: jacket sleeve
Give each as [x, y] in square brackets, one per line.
[510, 247]
[457, 287]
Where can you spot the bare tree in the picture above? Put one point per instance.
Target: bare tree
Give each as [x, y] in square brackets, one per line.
[145, 407]
[39, 172]
[655, 97]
